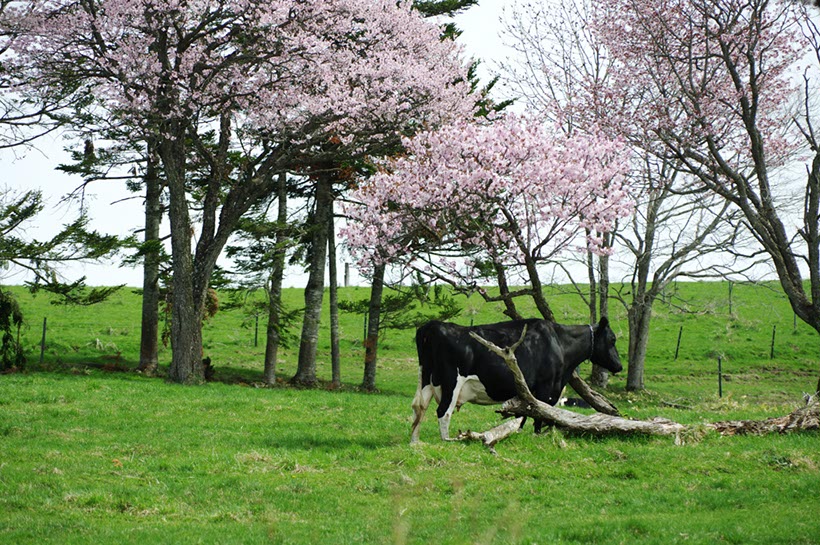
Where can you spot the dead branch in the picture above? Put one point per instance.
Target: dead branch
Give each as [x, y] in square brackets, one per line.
[493, 436]
[803, 418]
[527, 405]
[595, 399]
[596, 424]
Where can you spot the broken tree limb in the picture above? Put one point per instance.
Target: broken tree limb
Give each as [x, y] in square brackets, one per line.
[494, 435]
[596, 424]
[803, 418]
[595, 399]
[508, 355]
[527, 405]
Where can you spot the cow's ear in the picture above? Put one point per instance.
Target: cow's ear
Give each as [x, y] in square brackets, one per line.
[604, 322]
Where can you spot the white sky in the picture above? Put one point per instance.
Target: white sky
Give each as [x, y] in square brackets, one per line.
[114, 210]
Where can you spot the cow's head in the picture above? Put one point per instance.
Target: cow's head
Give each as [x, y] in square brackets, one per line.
[604, 352]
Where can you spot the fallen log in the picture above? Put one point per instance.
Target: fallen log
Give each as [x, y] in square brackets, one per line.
[596, 424]
[803, 418]
[494, 435]
[527, 405]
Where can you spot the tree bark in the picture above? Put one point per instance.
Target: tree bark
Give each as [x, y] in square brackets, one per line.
[149, 332]
[314, 291]
[186, 325]
[335, 355]
[273, 336]
[538, 290]
[371, 342]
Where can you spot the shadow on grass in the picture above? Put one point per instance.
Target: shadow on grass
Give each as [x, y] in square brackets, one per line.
[230, 376]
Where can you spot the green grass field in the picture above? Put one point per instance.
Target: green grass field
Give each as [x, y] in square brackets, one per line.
[93, 453]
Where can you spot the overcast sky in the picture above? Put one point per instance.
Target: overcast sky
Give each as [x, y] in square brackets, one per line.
[116, 211]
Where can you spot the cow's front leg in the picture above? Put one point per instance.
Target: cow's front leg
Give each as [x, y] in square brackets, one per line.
[447, 407]
[549, 398]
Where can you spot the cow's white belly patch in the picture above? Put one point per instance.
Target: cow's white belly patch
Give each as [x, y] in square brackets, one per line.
[473, 391]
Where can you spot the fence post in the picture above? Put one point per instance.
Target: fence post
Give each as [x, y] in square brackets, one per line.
[256, 333]
[731, 288]
[677, 348]
[43, 342]
[771, 352]
[720, 377]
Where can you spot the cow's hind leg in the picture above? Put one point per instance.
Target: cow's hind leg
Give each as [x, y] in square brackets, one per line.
[420, 403]
[447, 406]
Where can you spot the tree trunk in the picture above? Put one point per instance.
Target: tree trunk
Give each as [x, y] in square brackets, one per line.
[149, 332]
[371, 342]
[314, 291]
[186, 318]
[222, 206]
[504, 292]
[273, 335]
[593, 289]
[600, 376]
[538, 290]
[335, 355]
[639, 315]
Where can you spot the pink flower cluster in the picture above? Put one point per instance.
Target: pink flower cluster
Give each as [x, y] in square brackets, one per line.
[695, 75]
[352, 68]
[508, 193]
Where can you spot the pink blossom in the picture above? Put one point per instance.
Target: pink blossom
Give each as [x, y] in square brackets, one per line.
[504, 192]
[349, 68]
[690, 75]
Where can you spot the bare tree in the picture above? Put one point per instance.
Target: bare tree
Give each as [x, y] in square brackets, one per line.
[674, 234]
[718, 82]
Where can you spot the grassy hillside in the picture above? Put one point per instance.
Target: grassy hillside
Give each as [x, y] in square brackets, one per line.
[90, 453]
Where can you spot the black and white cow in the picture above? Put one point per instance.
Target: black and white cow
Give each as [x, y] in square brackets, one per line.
[455, 369]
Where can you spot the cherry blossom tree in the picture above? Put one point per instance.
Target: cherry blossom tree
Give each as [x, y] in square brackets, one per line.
[471, 201]
[718, 84]
[272, 81]
[562, 70]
